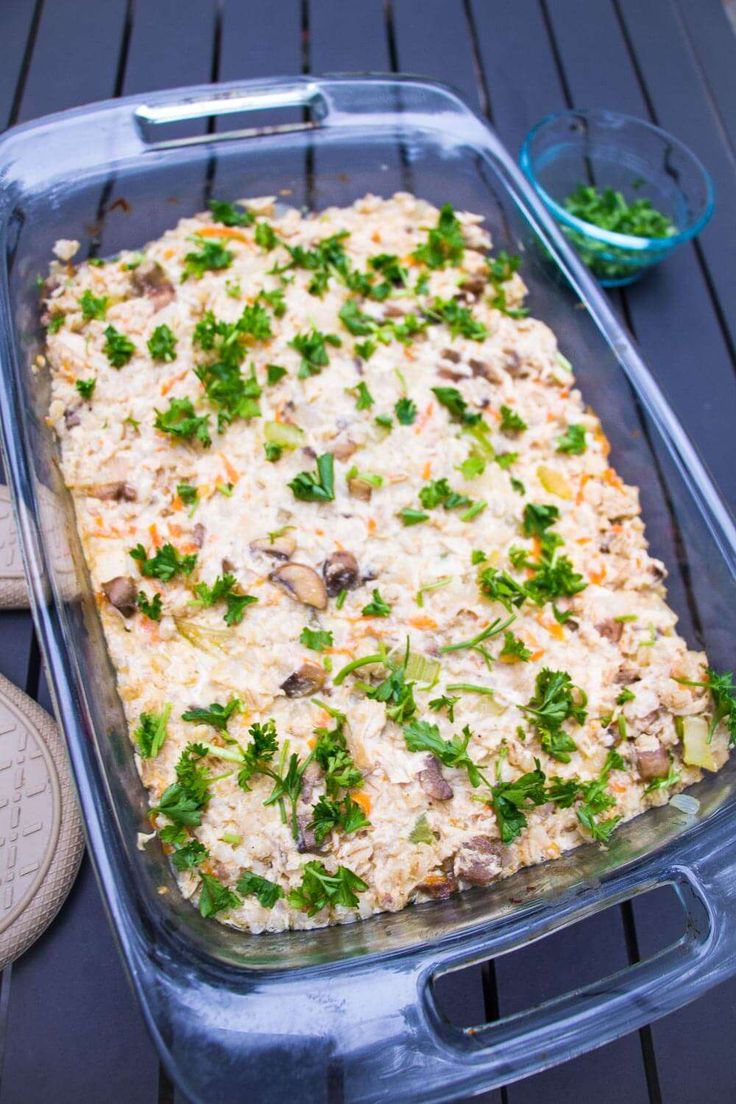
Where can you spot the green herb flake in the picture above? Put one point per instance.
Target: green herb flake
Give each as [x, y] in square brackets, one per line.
[151, 733]
[253, 885]
[117, 348]
[572, 441]
[162, 344]
[181, 420]
[86, 387]
[376, 607]
[319, 486]
[316, 639]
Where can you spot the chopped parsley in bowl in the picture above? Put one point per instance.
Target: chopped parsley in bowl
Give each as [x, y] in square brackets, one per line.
[624, 192]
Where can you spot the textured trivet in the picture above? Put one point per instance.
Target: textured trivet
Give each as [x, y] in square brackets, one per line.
[13, 593]
[41, 840]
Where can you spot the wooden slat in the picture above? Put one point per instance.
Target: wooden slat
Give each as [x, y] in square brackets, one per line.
[677, 87]
[69, 994]
[711, 36]
[260, 39]
[432, 40]
[16, 23]
[347, 38]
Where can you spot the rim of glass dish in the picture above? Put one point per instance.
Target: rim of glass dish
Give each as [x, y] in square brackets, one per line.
[612, 237]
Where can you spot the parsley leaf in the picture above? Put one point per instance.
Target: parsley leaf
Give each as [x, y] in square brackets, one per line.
[556, 700]
[319, 889]
[183, 801]
[215, 714]
[511, 422]
[162, 344]
[209, 256]
[117, 348]
[406, 411]
[329, 814]
[151, 608]
[214, 897]
[189, 855]
[363, 398]
[316, 639]
[165, 564]
[510, 799]
[181, 420]
[229, 214]
[410, 516]
[458, 318]
[93, 307]
[187, 493]
[572, 441]
[376, 607]
[253, 885]
[445, 243]
[312, 348]
[423, 736]
[456, 405]
[223, 589]
[723, 693]
[86, 387]
[316, 488]
[514, 648]
[151, 733]
[265, 236]
[274, 373]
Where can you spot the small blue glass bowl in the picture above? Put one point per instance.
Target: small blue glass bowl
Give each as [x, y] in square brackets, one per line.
[631, 156]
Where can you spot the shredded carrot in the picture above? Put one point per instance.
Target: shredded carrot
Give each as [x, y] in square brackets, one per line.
[376, 236]
[320, 532]
[423, 621]
[602, 440]
[565, 392]
[597, 577]
[552, 627]
[176, 503]
[175, 530]
[614, 480]
[424, 418]
[618, 787]
[223, 232]
[169, 383]
[337, 651]
[537, 546]
[584, 479]
[427, 470]
[409, 353]
[371, 525]
[537, 655]
[233, 473]
[157, 542]
[582, 540]
[168, 254]
[551, 416]
[312, 742]
[361, 799]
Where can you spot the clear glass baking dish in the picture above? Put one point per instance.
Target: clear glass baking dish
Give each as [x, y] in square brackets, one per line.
[348, 1012]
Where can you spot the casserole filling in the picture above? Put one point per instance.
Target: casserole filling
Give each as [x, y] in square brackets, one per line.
[383, 617]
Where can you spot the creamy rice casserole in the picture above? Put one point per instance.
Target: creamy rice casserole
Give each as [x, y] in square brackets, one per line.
[383, 617]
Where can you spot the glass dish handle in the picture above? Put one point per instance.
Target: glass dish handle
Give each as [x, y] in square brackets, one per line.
[373, 1033]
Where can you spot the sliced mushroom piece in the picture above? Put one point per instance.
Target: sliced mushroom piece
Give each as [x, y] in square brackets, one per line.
[71, 417]
[485, 369]
[306, 839]
[312, 776]
[610, 629]
[653, 764]
[513, 363]
[341, 572]
[198, 534]
[112, 492]
[150, 279]
[121, 592]
[307, 679]
[479, 860]
[473, 286]
[302, 583]
[343, 450]
[452, 355]
[450, 374]
[432, 780]
[360, 488]
[280, 547]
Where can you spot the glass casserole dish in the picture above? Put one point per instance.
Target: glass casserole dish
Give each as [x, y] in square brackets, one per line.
[347, 1011]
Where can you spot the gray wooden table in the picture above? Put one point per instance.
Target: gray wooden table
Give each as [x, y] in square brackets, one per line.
[69, 1028]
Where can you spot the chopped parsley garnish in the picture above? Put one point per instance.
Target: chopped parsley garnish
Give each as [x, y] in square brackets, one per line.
[376, 607]
[365, 349]
[93, 307]
[332, 754]
[117, 348]
[55, 323]
[187, 493]
[184, 800]
[319, 889]
[181, 420]
[215, 714]
[316, 639]
[188, 856]
[151, 732]
[511, 422]
[224, 590]
[319, 487]
[363, 398]
[556, 700]
[215, 897]
[538, 519]
[265, 236]
[274, 373]
[510, 799]
[253, 885]
[501, 587]
[439, 493]
[384, 421]
[210, 256]
[312, 347]
[230, 214]
[457, 318]
[410, 516]
[421, 832]
[456, 405]
[86, 387]
[626, 695]
[149, 607]
[514, 648]
[165, 564]
[609, 210]
[162, 344]
[572, 441]
[406, 411]
[327, 258]
[423, 736]
[330, 814]
[445, 243]
[500, 269]
[445, 702]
